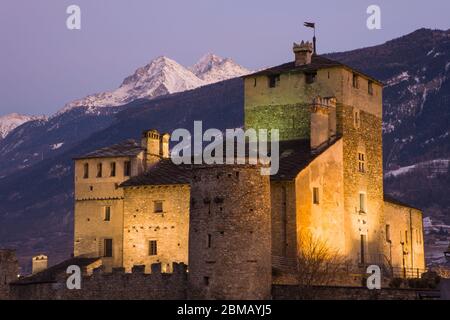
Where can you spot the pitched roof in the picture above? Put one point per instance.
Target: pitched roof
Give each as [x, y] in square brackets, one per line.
[317, 62]
[390, 199]
[295, 155]
[165, 172]
[127, 148]
[49, 275]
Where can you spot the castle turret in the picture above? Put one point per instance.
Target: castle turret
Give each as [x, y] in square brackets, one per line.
[165, 138]
[323, 121]
[152, 145]
[303, 53]
[230, 233]
[39, 263]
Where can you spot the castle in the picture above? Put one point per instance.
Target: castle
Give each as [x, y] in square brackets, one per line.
[233, 226]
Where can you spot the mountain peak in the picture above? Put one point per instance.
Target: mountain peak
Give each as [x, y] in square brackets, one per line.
[11, 121]
[213, 68]
[162, 76]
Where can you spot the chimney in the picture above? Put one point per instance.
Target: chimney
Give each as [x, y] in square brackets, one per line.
[165, 145]
[39, 263]
[303, 53]
[323, 121]
[151, 143]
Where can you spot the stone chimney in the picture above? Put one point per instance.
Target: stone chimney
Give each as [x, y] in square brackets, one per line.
[151, 143]
[39, 263]
[303, 53]
[323, 121]
[165, 138]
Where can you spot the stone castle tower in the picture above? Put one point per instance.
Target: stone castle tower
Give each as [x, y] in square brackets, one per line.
[230, 233]
[9, 269]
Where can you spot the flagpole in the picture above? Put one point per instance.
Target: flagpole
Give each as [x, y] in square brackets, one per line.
[314, 40]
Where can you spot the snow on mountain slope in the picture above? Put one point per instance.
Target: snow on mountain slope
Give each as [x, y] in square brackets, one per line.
[11, 121]
[161, 76]
[211, 68]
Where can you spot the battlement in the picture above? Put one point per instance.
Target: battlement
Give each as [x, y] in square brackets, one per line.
[303, 53]
[118, 284]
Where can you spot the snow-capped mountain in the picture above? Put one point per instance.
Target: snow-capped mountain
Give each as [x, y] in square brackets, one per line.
[160, 77]
[11, 121]
[211, 68]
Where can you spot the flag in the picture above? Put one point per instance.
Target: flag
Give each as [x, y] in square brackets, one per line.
[310, 24]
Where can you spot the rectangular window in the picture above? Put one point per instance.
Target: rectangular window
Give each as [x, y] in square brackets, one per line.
[107, 212]
[310, 77]
[355, 81]
[85, 171]
[362, 202]
[99, 170]
[274, 80]
[158, 207]
[388, 233]
[254, 83]
[108, 248]
[370, 88]
[356, 119]
[361, 162]
[362, 259]
[406, 237]
[112, 169]
[153, 248]
[127, 168]
[206, 281]
[316, 199]
[209, 241]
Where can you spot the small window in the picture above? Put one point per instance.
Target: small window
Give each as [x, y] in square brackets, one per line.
[274, 80]
[406, 237]
[127, 168]
[356, 119]
[206, 281]
[362, 258]
[99, 170]
[157, 206]
[355, 81]
[108, 248]
[362, 202]
[209, 240]
[388, 233]
[370, 87]
[361, 162]
[310, 77]
[86, 171]
[107, 213]
[153, 248]
[316, 199]
[254, 82]
[112, 169]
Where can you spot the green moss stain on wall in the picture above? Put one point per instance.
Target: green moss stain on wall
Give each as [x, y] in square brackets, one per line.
[292, 121]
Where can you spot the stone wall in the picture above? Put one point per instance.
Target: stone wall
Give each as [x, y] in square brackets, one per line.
[365, 138]
[112, 286]
[288, 292]
[9, 269]
[230, 233]
[169, 228]
[405, 245]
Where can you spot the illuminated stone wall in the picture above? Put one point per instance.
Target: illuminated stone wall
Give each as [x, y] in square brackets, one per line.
[170, 228]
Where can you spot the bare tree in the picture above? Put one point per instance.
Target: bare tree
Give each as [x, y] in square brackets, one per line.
[318, 265]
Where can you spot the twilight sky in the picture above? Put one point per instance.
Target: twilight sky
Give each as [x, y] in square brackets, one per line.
[43, 65]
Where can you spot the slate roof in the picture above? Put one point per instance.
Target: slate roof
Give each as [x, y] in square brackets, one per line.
[390, 199]
[165, 172]
[49, 275]
[295, 155]
[317, 62]
[127, 148]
